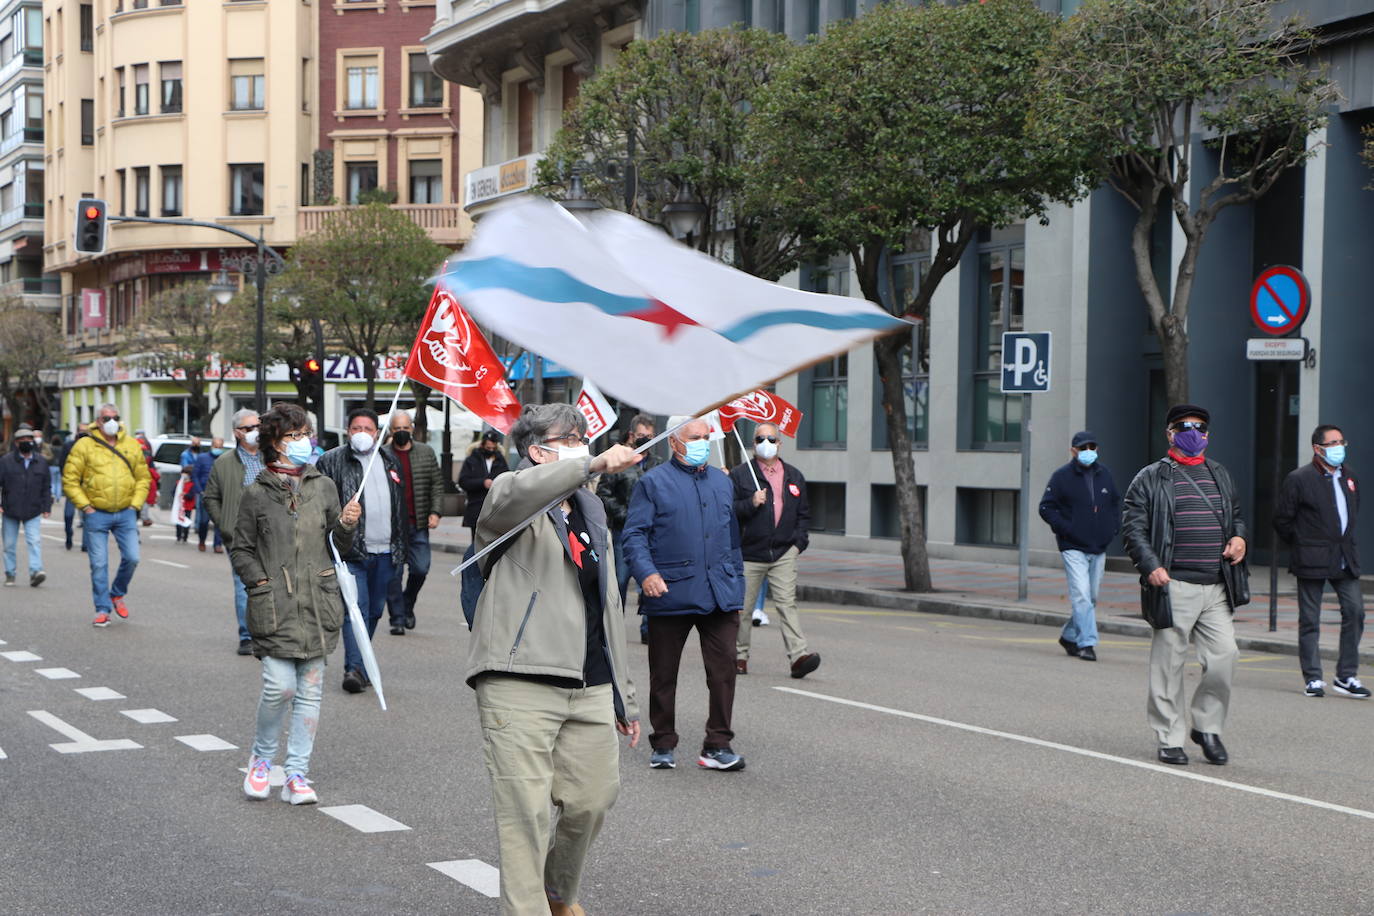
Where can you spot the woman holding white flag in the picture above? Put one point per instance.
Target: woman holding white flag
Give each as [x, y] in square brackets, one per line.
[280, 552]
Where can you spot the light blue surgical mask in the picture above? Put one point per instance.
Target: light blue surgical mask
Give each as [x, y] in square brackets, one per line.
[217, 452]
[298, 451]
[1335, 455]
[1087, 457]
[698, 451]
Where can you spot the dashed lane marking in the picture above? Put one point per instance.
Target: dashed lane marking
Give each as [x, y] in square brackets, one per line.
[169, 563]
[474, 873]
[56, 674]
[99, 693]
[80, 743]
[206, 743]
[147, 716]
[21, 656]
[363, 819]
[1163, 769]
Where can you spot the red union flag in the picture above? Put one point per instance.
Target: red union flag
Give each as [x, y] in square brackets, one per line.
[762, 407]
[451, 356]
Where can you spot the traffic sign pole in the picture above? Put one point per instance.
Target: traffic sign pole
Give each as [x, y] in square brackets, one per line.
[1025, 369]
[1023, 521]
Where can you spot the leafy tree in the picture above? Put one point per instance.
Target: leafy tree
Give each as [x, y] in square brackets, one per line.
[1130, 84]
[30, 345]
[364, 272]
[684, 101]
[177, 334]
[288, 333]
[909, 118]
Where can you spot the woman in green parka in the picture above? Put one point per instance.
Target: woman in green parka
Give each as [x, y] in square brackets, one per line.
[281, 554]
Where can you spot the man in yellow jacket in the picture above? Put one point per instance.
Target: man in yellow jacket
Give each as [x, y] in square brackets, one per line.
[107, 479]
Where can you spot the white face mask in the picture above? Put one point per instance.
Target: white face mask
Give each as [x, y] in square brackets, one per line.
[110, 427]
[250, 438]
[362, 442]
[766, 450]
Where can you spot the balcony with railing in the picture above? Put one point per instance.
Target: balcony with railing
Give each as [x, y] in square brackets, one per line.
[18, 213]
[43, 293]
[20, 137]
[446, 224]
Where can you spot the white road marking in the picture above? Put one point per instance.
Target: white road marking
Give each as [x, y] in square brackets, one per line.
[147, 716]
[206, 743]
[162, 537]
[363, 819]
[81, 742]
[475, 873]
[99, 693]
[277, 777]
[21, 656]
[56, 674]
[1096, 755]
[169, 563]
[3, 643]
[53, 537]
[2, 754]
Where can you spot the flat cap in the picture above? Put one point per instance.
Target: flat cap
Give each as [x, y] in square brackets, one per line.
[1179, 411]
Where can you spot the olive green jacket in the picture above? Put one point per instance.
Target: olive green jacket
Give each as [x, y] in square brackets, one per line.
[281, 537]
[426, 480]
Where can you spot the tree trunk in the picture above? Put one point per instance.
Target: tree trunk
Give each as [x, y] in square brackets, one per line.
[421, 418]
[915, 561]
[1166, 320]
[370, 373]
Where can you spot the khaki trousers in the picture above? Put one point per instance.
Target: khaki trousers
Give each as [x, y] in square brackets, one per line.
[546, 747]
[782, 589]
[1202, 612]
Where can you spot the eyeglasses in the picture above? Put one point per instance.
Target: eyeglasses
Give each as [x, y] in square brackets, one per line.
[1088, 446]
[571, 438]
[1181, 425]
[247, 428]
[758, 439]
[1334, 443]
[110, 416]
[297, 435]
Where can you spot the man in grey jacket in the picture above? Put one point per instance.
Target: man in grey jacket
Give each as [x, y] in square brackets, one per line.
[232, 473]
[547, 658]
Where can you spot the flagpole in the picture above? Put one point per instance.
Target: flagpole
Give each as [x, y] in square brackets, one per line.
[529, 521]
[747, 460]
[372, 459]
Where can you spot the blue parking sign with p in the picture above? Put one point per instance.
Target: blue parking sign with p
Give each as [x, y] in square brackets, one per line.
[1025, 362]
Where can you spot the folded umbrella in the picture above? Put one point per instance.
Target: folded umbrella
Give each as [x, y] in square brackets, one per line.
[349, 589]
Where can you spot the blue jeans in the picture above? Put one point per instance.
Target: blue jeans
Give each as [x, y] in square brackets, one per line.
[1084, 571]
[124, 526]
[241, 607]
[55, 478]
[31, 537]
[373, 577]
[472, 586]
[203, 522]
[296, 683]
[401, 601]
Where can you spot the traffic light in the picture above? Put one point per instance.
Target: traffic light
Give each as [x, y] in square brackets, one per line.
[90, 226]
[310, 380]
[311, 368]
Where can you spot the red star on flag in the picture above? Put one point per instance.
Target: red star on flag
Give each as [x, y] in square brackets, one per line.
[664, 314]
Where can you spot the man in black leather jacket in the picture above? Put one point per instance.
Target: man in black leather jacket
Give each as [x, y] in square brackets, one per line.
[1184, 531]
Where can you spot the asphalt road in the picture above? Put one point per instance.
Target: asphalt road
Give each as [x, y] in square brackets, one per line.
[931, 765]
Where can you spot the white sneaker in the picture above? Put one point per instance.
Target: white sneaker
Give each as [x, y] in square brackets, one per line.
[1315, 688]
[1350, 687]
[297, 791]
[760, 618]
[258, 782]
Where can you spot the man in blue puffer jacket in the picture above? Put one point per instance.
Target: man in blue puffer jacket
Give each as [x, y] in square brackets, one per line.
[1083, 508]
[682, 543]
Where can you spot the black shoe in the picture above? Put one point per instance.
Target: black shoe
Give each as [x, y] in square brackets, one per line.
[1069, 647]
[806, 664]
[353, 682]
[245, 647]
[1211, 745]
[69, 543]
[1088, 654]
[410, 620]
[398, 631]
[1173, 755]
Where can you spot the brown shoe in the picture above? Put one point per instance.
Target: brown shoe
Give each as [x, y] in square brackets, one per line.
[806, 664]
[202, 547]
[742, 665]
[559, 908]
[219, 549]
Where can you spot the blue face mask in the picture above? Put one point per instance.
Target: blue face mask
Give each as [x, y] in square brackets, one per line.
[298, 451]
[698, 451]
[217, 452]
[1086, 457]
[1335, 455]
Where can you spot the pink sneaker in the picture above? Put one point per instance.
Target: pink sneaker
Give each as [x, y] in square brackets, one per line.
[257, 784]
[297, 791]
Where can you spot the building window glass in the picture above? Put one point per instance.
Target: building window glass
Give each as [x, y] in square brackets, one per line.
[141, 191]
[827, 506]
[140, 89]
[33, 35]
[246, 85]
[362, 176]
[175, 416]
[986, 517]
[426, 181]
[171, 86]
[305, 184]
[87, 27]
[245, 189]
[33, 112]
[825, 386]
[360, 84]
[884, 519]
[426, 88]
[119, 92]
[87, 122]
[909, 270]
[119, 180]
[1001, 308]
[171, 190]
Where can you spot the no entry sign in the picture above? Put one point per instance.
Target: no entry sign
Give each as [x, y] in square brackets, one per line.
[1279, 300]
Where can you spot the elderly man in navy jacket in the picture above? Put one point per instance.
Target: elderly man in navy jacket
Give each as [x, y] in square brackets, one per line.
[682, 542]
[1083, 508]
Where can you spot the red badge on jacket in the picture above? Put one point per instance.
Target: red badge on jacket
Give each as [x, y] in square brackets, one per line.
[794, 489]
[1350, 482]
[396, 478]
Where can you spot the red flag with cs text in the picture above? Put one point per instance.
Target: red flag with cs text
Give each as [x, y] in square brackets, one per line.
[450, 355]
[762, 407]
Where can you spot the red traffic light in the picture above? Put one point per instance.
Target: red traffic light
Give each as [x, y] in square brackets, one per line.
[92, 212]
[312, 365]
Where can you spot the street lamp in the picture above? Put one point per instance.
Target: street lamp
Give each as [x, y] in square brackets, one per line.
[578, 201]
[684, 214]
[222, 288]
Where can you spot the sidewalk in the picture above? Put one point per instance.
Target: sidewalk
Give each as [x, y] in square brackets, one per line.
[988, 590]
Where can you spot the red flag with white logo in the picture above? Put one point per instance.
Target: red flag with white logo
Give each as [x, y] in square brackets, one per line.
[762, 407]
[451, 356]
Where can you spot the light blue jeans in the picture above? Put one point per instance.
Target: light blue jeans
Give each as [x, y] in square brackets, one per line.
[31, 537]
[124, 526]
[295, 683]
[241, 607]
[1084, 571]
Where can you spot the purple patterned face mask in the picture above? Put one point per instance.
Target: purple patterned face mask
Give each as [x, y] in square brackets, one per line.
[1190, 442]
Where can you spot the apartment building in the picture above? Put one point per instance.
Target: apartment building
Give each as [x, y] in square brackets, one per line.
[21, 156]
